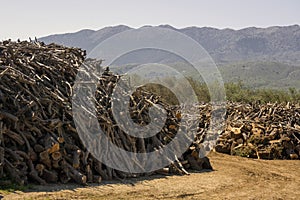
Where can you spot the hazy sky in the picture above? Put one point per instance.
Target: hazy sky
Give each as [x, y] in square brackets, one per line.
[22, 19]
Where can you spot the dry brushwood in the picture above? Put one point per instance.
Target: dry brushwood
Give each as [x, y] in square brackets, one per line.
[39, 142]
[38, 139]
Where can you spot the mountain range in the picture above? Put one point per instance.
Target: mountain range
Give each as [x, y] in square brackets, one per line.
[260, 57]
[224, 45]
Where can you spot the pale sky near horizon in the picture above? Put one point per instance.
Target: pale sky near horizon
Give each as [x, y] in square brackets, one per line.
[23, 19]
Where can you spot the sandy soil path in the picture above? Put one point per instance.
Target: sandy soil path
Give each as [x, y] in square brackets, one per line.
[232, 178]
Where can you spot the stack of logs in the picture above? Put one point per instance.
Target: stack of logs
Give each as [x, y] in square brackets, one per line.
[38, 139]
[268, 131]
[39, 142]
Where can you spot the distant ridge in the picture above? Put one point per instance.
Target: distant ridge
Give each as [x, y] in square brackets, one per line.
[276, 43]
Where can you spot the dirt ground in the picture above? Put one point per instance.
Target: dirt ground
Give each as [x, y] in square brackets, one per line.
[232, 178]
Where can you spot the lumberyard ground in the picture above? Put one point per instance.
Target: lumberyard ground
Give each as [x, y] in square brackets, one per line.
[232, 178]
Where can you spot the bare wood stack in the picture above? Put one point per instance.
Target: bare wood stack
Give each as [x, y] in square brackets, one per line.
[266, 131]
[38, 140]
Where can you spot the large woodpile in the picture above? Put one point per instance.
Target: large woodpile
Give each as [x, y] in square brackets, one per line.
[39, 142]
[38, 139]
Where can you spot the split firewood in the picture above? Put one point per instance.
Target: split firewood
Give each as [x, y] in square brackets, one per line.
[263, 131]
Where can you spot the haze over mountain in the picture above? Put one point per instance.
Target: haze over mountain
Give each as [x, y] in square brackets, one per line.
[275, 43]
[260, 57]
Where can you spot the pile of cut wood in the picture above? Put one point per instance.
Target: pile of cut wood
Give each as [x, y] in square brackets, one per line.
[38, 140]
[266, 131]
